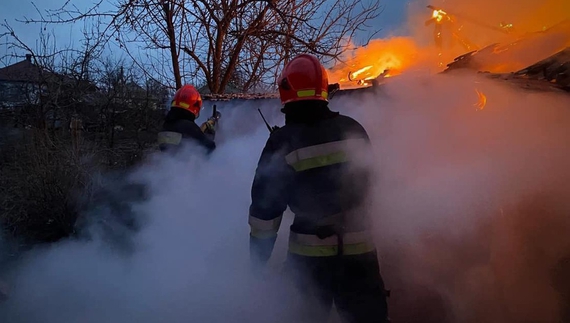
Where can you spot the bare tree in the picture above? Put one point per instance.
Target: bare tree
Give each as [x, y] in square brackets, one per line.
[126, 110]
[43, 173]
[72, 115]
[213, 40]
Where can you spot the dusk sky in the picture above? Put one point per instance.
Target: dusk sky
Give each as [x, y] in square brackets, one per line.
[391, 21]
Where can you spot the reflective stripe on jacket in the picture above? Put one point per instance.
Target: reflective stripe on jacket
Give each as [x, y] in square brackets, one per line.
[311, 245]
[321, 155]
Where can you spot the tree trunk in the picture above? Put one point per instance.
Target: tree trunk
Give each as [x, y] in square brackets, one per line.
[172, 43]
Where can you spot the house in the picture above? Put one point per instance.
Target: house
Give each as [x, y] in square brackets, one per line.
[29, 91]
[19, 84]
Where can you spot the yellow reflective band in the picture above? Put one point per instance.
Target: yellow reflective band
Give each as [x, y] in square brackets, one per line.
[313, 240]
[326, 154]
[328, 251]
[263, 234]
[183, 105]
[355, 243]
[265, 224]
[169, 137]
[307, 93]
[320, 161]
[264, 228]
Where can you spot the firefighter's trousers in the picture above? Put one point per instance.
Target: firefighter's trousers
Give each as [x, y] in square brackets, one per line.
[352, 282]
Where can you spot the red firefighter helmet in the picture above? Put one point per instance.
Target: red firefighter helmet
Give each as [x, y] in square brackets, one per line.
[188, 98]
[303, 78]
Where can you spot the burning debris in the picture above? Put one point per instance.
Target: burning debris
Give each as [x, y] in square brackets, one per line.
[441, 19]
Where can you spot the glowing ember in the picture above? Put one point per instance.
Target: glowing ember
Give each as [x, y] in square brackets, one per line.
[506, 26]
[482, 100]
[438, 15]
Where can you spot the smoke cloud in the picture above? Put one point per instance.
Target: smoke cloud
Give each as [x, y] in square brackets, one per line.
[185, 259]
[470, 203]
[470, 208]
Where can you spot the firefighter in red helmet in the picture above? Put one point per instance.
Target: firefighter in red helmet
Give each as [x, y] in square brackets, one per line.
[180, 126]
[309, 166]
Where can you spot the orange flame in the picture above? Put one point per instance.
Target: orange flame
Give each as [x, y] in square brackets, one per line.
[353, 75]
[381, 58]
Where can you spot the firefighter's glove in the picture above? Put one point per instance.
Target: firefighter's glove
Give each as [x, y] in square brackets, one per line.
[209, 127]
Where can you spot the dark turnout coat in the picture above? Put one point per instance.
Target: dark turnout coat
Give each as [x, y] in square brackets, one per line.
[180, 127]
[307, 166]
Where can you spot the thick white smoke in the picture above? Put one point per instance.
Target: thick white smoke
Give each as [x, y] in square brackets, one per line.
[470, 203]
[469, 207]
[189, 261]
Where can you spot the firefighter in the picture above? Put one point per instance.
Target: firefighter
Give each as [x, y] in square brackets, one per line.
[309, 166]
[180, 126]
